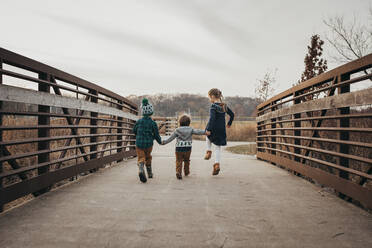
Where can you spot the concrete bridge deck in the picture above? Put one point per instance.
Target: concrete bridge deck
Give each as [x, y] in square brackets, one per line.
[251, 204]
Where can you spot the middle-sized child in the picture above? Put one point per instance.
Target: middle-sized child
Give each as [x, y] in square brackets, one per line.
[146, 130]
[183, 144]
[216, 127]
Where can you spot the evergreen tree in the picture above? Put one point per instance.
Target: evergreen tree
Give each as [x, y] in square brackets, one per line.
[314, 64]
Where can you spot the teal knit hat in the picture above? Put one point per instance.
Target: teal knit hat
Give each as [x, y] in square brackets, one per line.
[147, 108]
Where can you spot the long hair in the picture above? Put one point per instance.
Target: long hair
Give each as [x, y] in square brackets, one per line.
[217, 94]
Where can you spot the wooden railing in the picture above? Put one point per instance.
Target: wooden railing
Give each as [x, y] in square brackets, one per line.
[322, 129]
[166, 125]
[56, 126]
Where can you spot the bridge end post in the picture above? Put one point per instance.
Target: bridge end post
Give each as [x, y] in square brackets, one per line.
[297, 130]
[273, 129]
[258, 138]
[1, 133]
[43, 132]
[93, 129]
[343, 122]
[119, 131]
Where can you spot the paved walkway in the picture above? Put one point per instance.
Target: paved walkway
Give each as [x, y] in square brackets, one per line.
[251, 204]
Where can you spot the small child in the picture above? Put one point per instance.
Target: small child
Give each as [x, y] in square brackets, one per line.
[146, 130]
[183, 144]
[216, 130]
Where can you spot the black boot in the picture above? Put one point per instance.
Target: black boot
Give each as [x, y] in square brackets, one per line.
[149, 171]
[141, 172]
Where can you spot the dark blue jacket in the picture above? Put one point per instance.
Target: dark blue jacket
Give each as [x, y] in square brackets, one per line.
[217, 124]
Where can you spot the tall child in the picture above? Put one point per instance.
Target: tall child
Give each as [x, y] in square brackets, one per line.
[216, 127]
[183, 145]
[146, 130]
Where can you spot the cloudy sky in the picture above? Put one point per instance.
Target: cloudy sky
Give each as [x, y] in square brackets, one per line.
[171, 46]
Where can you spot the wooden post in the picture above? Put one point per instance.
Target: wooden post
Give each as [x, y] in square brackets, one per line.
[343, 135]
[258, 138]
[119, 131]
[297, 124]
[273, 132]
[297, 132]
[93, 130]
[43, 132]
[131, 126]
[1, 132]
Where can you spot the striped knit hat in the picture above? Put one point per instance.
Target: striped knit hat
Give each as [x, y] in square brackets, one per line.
[147, 108]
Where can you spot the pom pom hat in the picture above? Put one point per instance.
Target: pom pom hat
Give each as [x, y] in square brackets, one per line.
[147, 108]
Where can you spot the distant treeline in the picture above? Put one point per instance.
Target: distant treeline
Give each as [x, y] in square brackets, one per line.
[171, 104]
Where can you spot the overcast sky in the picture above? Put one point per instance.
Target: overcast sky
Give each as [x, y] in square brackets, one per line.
[171, 46]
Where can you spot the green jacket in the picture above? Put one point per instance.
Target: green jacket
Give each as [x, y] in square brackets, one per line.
[146, 130]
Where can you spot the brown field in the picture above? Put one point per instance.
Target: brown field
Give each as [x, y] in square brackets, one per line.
[32, 147]
[239, 131]
[354, 150]
[249, 149]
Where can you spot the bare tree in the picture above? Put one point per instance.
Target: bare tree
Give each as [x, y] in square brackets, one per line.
[265, 86]
[351, 40]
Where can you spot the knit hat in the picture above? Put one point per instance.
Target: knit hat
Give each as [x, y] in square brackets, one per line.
[147, 108]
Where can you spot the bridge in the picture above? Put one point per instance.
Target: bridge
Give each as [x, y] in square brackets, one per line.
[67, 163]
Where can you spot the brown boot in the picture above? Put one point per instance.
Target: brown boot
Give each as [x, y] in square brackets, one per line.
[149, 171]
[208, 155]
[179, 176]
[186, 168]
[179, 169]
[216, 169]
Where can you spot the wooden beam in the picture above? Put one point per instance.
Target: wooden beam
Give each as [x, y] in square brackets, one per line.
[23, 62]
[120, 131]
[16, 94]
[351, 99]
[297, 124]
[273, 131]
[75, 122]
[1, 134]
[43, 133]
[36, 183]
[343, 135]
[93, 122]
[317, 124]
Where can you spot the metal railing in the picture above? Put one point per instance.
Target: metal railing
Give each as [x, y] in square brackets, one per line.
[61, 127]
[321, 129]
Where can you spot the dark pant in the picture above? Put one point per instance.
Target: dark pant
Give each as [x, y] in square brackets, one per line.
[144, 155]
[183, 157]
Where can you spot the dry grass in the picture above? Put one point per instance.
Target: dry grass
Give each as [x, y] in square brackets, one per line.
[239, 131]
[12, 135]
[249, 149]
[363, 137]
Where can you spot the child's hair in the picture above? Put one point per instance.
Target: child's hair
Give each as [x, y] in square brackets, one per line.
[217, 94]
[184, 120]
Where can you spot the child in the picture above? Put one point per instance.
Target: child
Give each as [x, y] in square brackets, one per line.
[146, 130]
[183, 145]
[216, 130]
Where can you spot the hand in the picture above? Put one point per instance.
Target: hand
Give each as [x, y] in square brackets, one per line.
[228, 126]
[207, 133]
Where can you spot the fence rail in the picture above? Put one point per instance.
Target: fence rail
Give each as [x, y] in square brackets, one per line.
[321, 129]
[166, 125]
[56, 126]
